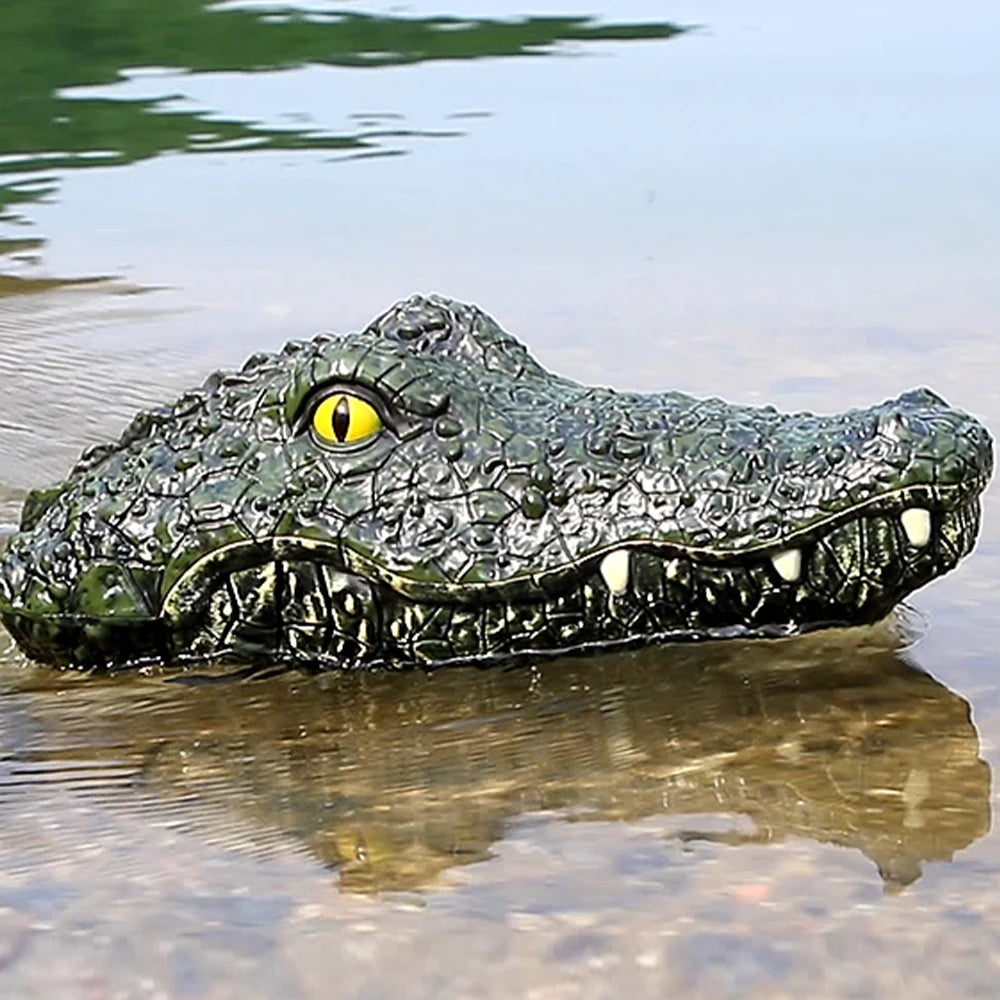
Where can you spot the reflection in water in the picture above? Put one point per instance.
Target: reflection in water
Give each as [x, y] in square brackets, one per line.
[47, 46]
[393, 778]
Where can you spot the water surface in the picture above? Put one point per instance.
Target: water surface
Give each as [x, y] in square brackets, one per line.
[766, 204]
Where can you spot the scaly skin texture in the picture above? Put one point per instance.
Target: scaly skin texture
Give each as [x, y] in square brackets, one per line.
[501, 511]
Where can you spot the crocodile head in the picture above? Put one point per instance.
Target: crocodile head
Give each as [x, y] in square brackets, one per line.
[424, 492]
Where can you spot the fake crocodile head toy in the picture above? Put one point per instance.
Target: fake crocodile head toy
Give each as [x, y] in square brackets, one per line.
[425, 493]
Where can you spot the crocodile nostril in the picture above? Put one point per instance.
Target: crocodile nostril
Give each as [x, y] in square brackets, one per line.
[922, 397]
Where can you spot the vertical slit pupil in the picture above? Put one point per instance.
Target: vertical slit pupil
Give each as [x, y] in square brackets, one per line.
[342, 418]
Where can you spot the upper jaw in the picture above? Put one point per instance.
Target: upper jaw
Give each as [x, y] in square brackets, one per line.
[304, 605]
[917, 513]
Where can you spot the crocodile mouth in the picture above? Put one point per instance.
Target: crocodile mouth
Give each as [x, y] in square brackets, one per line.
[292, 597]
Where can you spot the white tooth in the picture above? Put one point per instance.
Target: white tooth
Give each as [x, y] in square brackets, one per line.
[614, 569]
[788, 564]
[917, 525]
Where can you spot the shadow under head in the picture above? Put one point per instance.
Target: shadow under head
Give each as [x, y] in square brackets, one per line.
[425, 493]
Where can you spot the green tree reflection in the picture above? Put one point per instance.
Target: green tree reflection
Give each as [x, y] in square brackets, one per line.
[49, 47]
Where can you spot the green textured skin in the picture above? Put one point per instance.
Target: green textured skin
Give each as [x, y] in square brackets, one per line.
[473, 527]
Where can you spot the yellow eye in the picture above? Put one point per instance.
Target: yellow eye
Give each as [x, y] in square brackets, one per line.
[342, 419]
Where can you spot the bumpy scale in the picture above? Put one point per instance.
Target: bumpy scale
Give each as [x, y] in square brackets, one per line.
[425, 493]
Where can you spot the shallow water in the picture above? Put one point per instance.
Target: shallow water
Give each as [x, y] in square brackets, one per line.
[772, 207]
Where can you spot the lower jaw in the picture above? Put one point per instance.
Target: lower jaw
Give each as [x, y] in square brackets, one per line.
[92, 644]
[311, 613]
